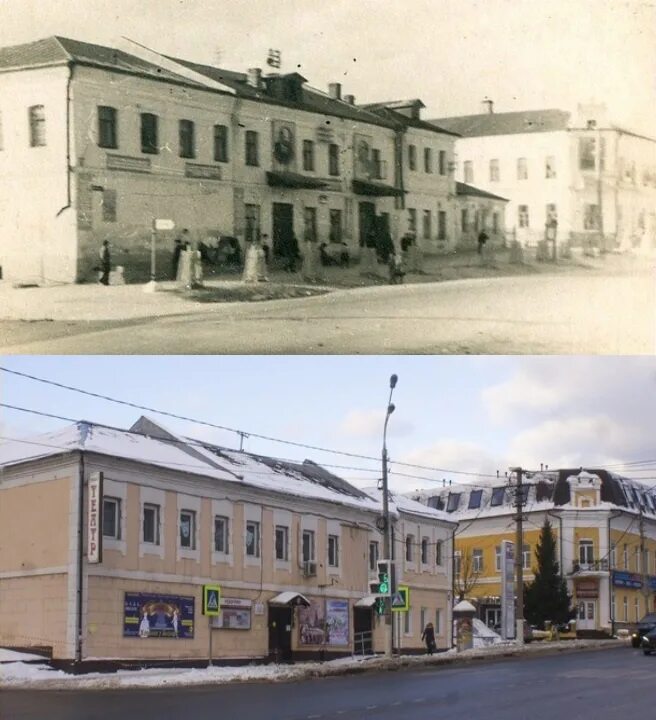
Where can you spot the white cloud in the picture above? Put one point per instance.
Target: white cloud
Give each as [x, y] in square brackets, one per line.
[369, 424]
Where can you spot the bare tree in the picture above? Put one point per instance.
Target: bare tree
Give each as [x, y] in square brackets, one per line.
[465, 575]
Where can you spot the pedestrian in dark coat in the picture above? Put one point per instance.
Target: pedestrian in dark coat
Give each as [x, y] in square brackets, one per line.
[292, 253]
[428, 636]
[482, 239]
[105, 262]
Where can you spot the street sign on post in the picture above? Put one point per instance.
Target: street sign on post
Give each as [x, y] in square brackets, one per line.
[401, 599]
[211, 600]
[163, 224]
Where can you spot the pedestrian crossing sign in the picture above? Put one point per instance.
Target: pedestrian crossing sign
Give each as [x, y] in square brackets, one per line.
[211, 599]
[401, 599]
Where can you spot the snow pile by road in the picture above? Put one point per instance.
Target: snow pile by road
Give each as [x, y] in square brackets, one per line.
[7, 656]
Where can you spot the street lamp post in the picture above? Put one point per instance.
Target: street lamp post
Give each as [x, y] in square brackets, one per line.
[387, 536]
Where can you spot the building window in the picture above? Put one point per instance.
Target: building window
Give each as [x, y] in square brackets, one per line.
[407, 623]
[221, 143]
[373, 555]
[424, 551]
[412, 157]
[333, 159]
[282, 543]
[522, 169]
[422, 617]
[428, 160]
[497, 558]
[613, 556]
[464, 220]
[591, 217]
[522, 216]
[587, 148]
[469, 171]
[552, 212]
[111, 518]
[586, 552]
[377, 168]
[453, 502]
[109, 205]
[494, 170]
[335, 226]
[409, 548]
[149, 134]
[526, 557]
[475, 499]
[107, 127]
[441, 161]
[412, 220]
[252, 222]
[308, 155]
[151, 524]
[252, 148]
[636, 605]
[427, 224]
[477, 560]
[457, 562]
[186, 138]
[438, 553]
[550, 167]
[441, 225]
[498, 496]
[625, 608]
[37, 115]
[625, 557]
[253, 538]
[188, 529]
[310, 219]
[221, 534]
[308, 546]
[438, 621]
[333, 551]
[495, 223]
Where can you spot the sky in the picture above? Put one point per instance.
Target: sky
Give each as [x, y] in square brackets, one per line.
[452, 54]
[453, 414]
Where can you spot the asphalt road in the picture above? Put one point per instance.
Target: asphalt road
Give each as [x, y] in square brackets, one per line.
[604, 685]
[559, 314]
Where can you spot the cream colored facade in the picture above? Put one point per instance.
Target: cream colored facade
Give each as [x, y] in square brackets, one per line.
[52, 596]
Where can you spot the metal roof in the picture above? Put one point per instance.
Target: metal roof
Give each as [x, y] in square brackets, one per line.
[509, 123]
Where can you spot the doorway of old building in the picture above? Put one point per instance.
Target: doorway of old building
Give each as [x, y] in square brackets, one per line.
[366, 224]
[280, 633]
[283, 228]
[362, 631]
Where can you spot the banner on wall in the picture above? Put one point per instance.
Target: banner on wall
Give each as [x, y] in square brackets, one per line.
[235, 614]
[337, 622]
[312, 623]
[147, 615]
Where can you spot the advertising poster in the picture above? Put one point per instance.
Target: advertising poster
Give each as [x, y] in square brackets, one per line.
[147, 615]
[235, 614]
[312, 623]
[337, 622]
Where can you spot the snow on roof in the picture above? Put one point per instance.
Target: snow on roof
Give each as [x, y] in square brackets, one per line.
[163, 448]
[402, 504]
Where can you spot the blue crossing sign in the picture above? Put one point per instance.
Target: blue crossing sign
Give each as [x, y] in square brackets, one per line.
[211, 599]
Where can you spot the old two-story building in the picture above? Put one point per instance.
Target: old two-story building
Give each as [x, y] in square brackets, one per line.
[605, 530]
[595, 179]
[99, 142]
[108, 536]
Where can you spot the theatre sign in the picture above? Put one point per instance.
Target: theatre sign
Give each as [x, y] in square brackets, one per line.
[94, 521]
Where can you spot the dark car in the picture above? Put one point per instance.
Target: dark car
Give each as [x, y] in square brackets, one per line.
[648, 642]
[647, 623]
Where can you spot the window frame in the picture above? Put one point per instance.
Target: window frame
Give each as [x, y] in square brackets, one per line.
[477, 560]
[281, 531]
[37, 124]
[477, 496]
[308, 156]
[186, 139]
[424, 550]
[334, 552]
[428, 160]
[107, 127]
[441, 162]
[311, 555]
[333, 160]
[221, 143]
[191, 514]
[374, 555]
[494, 170]
[523, 218]
[149, 127]
[412, 157]
[522, 168]
[256, 529]
[468, 172]
[116, 502]
[252, 148]
[225, 535]
[409, 547]
[156, 510]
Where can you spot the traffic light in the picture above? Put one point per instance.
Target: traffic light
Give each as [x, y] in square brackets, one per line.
[380, 606]
[382, 584]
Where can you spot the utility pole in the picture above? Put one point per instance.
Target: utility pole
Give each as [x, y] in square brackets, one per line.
[519, 556]
[242, 435]
[644, 576]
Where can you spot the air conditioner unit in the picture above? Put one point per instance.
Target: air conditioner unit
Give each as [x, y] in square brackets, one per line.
[309, 569]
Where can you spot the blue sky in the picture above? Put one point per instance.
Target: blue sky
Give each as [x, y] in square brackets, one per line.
[469, 413]
[523, 54]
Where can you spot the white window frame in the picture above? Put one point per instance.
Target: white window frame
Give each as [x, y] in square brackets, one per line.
[374, 546]
[311, 535]
[282, 519]
[255, 527]
[409, 548]
[253, 514]
[425, 551]
[190, 516]
[285, 546]
[156, 512]
[223, 508]
[334, 541]
[588, 545]
[477, 560]
[118, 491]
[152, 496]
[115, 534]
[190, 504]
[225, 535]
[526, 556]
[457, 563]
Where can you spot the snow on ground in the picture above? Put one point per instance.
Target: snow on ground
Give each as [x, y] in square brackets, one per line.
[41, 676]
[7, 656]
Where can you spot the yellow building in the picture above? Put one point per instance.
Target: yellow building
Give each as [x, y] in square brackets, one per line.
[605, 530]
[108, 537]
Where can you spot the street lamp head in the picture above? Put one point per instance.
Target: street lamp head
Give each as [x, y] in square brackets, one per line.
[391, 408]
[393, 380]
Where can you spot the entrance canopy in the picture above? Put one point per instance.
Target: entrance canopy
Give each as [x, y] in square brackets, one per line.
[289, 598]
[285, 178]
[366, 602]
[378, 189]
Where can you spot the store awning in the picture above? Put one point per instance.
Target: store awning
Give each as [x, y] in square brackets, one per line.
[366, 602]
[285, 178]
[289, 598]
[370, 187]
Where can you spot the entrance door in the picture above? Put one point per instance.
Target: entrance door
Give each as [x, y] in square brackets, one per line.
[362, 631]
[283, 227]
[493, 618]
[280, 633]
[586, 615]
[366, 222]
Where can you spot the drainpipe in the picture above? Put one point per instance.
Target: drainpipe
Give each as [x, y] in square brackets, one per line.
[69, 191]
[618, 513]
[80, 562]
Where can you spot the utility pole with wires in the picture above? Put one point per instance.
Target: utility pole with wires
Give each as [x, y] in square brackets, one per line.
[519, 555]
[242, 435]
[644, 576]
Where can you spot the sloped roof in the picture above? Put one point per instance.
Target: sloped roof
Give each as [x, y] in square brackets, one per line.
[155, 445]
[509, 123]
[464, 189]
[389, 112]
[402, 503]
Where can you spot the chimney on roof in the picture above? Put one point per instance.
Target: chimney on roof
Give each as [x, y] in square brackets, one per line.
[350, 99]
[255, 78]
[489, 105]
[335, 91]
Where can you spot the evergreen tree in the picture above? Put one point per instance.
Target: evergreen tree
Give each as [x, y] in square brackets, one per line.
[546, 597]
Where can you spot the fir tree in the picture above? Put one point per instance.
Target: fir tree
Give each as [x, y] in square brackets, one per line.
[546, 597]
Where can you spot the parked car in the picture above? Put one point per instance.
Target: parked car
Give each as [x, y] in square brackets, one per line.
[648, 641]
[647, 623]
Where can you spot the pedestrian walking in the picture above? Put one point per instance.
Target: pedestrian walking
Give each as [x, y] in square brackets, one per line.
[396, 270]
[292, 253]
[428, 636]
[178, 247]
[105, 262]
[482, 239]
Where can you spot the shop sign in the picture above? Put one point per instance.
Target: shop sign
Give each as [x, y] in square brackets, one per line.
[587, 589]
[94, 517]
[151, 615]
[235, 614]
[202, 172]
[626, 579]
